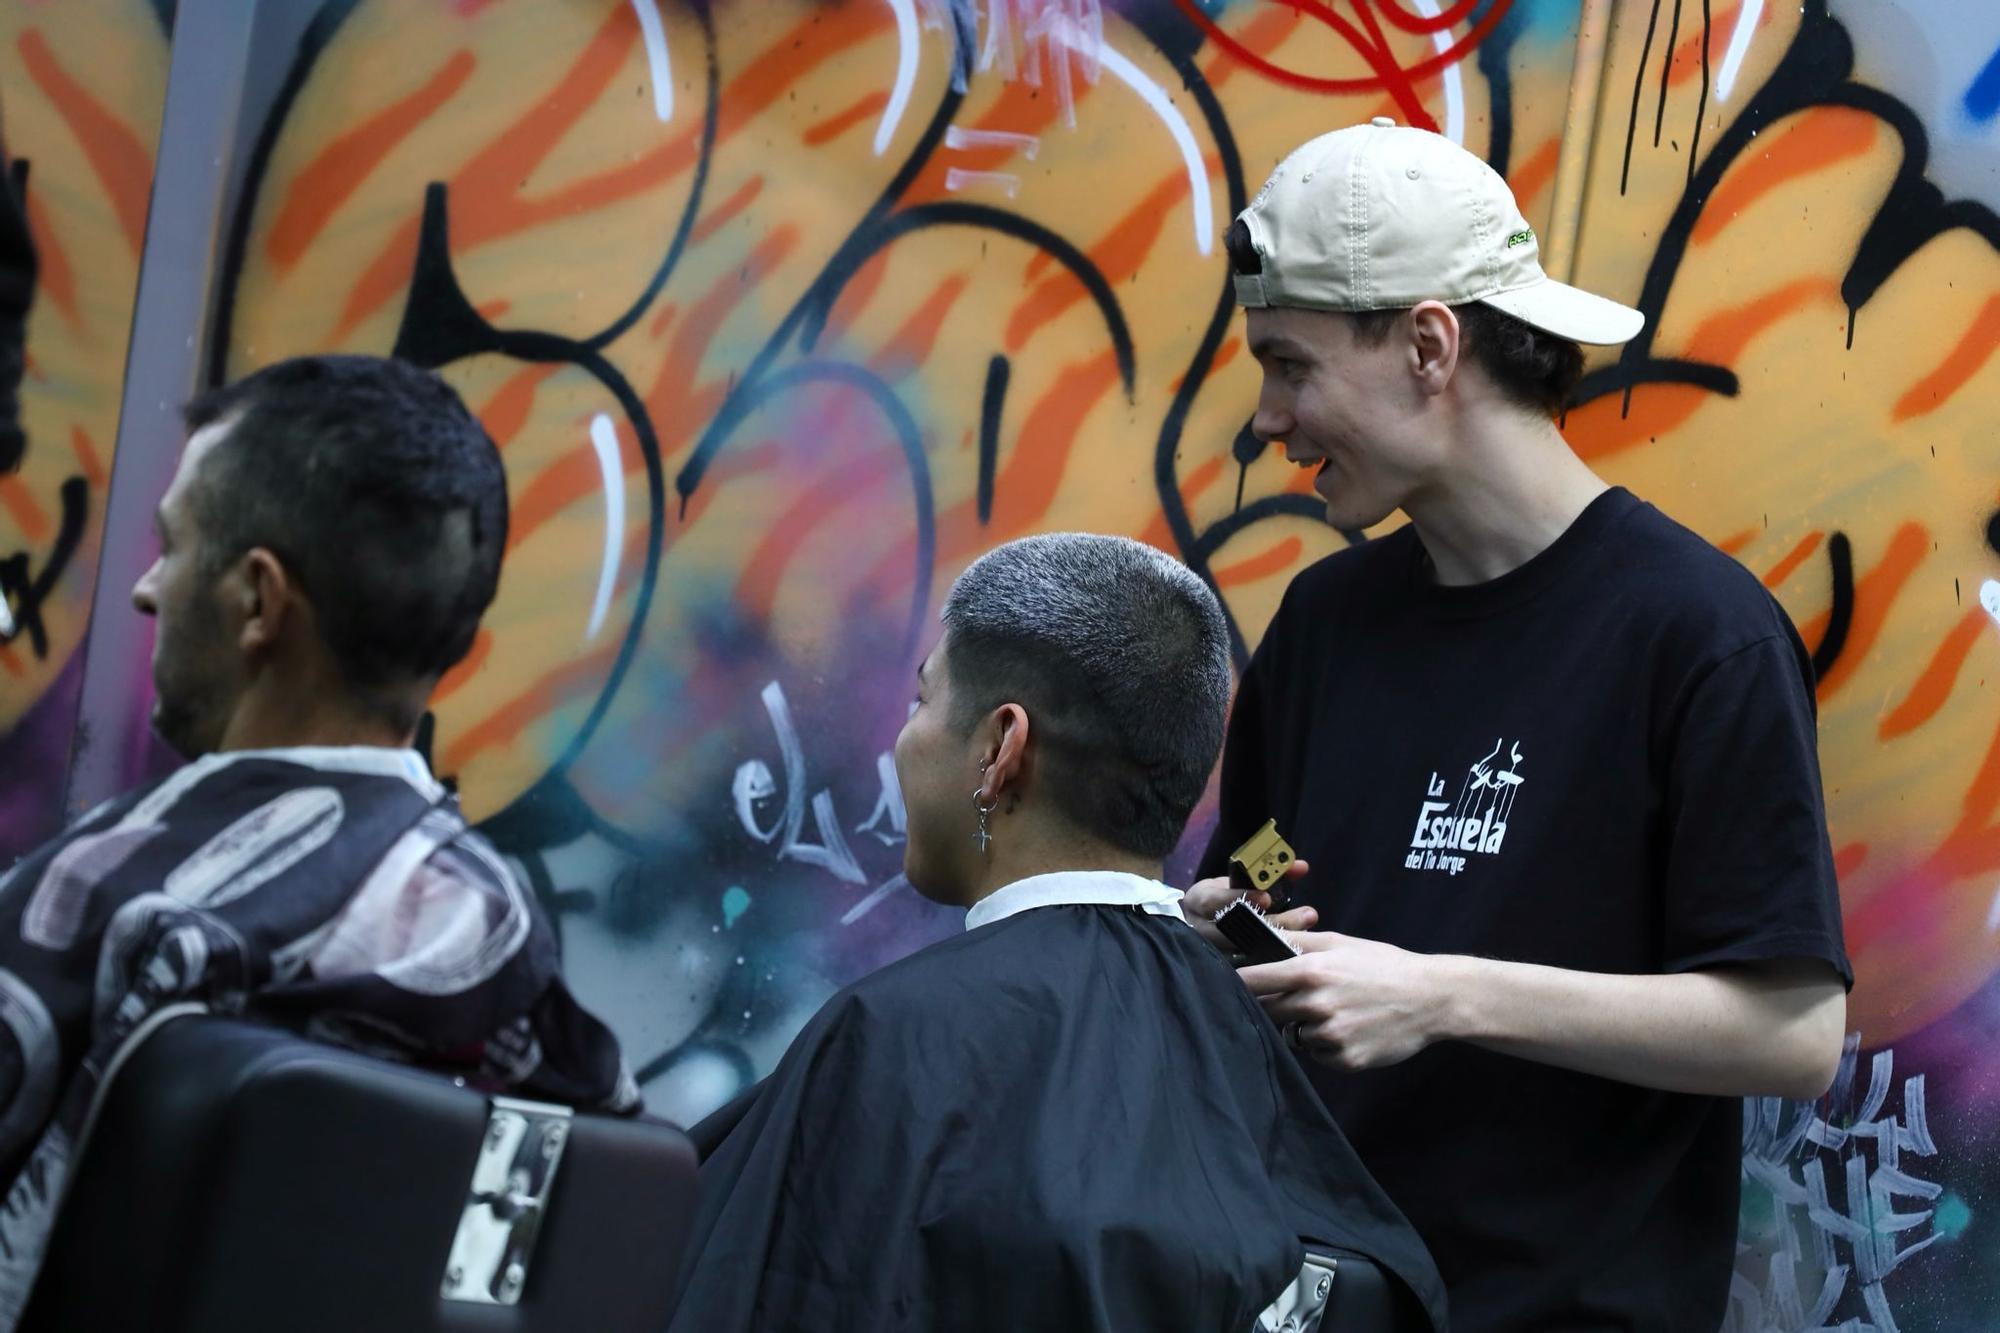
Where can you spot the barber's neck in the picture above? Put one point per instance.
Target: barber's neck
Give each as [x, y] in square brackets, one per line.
[1513, 486]
[1024, 846]
[286, 710]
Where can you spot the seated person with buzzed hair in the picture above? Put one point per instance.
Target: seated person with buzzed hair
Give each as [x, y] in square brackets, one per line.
[327, 547]
[1038, 1124]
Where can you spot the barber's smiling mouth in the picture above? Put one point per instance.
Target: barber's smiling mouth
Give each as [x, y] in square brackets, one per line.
[1316, 463]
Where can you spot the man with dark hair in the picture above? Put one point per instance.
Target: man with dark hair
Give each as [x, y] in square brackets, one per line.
[1549, 755]
[327, 547]
[1040, 1124]
[360, 491]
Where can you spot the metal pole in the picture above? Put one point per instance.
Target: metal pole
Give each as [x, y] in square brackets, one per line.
[1593, 38]
[211, 55]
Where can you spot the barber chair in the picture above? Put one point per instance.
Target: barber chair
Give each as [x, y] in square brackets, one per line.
[1338, 1291]
[237, 1177]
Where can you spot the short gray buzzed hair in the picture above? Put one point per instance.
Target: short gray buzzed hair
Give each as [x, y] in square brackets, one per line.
[1119, 654]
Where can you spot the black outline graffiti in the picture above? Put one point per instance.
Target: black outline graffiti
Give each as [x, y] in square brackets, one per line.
[1815, 70]
[29, 590]
[24, 590]
[1840, 559]
[1638, 84]
[1701, 103]
[1666, 67]
[312, 43]
[440, 326]
[1166, 480]
[878, 236]
[991, 403]
[1493, 59]
[1246, 449]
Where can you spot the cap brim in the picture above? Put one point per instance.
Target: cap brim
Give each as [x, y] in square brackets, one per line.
[1570, 312]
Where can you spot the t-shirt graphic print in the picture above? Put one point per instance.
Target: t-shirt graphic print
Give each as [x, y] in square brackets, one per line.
[1472, 822]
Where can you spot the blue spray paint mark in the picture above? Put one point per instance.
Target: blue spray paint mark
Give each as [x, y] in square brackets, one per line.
[1952, 1217]
[1548, 21]
[735, 902]
[1982, 99]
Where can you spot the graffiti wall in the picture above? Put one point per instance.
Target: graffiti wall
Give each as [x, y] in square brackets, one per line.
[1802, 200]
[81, 89]
[784, 312]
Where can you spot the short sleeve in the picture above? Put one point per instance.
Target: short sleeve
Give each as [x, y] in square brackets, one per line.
[1749, 867]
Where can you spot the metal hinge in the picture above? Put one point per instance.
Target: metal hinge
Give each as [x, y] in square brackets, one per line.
[504, 1205]
[1300, 1306]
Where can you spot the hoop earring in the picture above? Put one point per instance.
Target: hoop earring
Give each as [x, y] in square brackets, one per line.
[982, 837]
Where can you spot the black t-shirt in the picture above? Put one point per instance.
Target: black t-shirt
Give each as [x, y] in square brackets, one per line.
[1605, 761]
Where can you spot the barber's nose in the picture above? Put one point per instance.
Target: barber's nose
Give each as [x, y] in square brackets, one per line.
[1271, 423]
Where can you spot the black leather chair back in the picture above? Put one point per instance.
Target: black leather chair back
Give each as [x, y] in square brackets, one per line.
[240, 1178]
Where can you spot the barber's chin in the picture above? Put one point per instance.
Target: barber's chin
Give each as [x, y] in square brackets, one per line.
[1344, 513]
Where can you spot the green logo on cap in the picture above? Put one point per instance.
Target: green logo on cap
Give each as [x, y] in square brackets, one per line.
[1522, 237]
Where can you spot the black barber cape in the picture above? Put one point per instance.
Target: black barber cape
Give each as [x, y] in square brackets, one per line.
[1074, 1117]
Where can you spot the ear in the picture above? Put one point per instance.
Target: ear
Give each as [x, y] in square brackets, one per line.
[1434, 344]
[264, 597]
[1006, 750]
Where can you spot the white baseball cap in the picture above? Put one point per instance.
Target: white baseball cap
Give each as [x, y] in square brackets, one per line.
[1382, 216]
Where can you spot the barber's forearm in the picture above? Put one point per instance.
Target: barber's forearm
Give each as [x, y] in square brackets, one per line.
[1731, 1033]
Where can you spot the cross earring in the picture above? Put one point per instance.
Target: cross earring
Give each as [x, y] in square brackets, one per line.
[982, 836]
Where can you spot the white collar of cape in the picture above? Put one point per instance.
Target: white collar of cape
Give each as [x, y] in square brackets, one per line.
[382, 761]
[1098, 888]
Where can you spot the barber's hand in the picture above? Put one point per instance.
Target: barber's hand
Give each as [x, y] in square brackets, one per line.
[1352, 1003]
[1209, 896]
